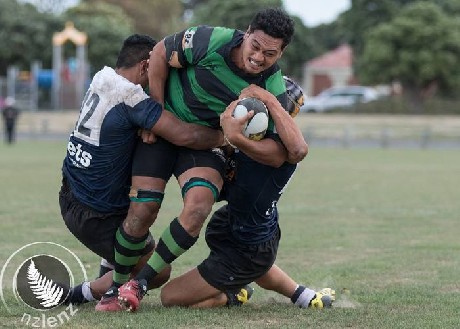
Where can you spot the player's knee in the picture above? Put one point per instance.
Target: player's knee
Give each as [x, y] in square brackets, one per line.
[207, 190]
[199, 196]
[197, 209]
[146, 211]
[165, 301]
[145, 203]
[140, 217]
[168, 298]
[193, 217]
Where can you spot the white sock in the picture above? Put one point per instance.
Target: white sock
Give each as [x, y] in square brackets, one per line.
[86, 291]
[305, 297]
[105, 263]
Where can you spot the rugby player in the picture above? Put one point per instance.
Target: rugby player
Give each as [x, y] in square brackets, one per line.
[243, 235]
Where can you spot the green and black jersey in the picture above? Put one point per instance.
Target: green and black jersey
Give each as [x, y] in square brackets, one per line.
[209, 80]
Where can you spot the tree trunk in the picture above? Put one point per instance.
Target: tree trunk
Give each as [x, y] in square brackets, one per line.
[414, 98]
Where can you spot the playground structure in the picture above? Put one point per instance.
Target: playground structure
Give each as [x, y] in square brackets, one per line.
[63, 85]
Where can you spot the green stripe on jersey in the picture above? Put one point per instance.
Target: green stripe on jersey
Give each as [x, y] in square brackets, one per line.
[219, 36]
[275, 84]
[203, 96]
[176, 95]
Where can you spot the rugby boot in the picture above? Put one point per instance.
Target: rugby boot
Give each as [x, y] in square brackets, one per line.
[323, 299]
[109, 302]
[131, 293]
[240, 298]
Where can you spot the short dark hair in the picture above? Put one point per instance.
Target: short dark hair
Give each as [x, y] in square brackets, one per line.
[275, 22]
[135, 49]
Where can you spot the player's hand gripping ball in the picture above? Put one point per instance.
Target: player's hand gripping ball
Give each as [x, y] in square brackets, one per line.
[256, 127]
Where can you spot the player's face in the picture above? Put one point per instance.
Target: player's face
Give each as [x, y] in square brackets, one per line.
[259, 51]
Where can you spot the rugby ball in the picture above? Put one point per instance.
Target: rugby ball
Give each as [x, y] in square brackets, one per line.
[256, 127]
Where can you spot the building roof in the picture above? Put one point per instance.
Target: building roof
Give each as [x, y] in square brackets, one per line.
[339, 57]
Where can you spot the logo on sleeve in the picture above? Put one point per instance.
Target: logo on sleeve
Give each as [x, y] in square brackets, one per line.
[188, 39]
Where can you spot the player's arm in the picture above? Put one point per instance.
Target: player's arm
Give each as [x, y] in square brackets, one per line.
[286, 128]
[186, 134]
[167, 53]
[158, 72]
[266, 151]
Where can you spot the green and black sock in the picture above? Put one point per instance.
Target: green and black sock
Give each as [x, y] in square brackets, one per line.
[128, 251]
[174, 241]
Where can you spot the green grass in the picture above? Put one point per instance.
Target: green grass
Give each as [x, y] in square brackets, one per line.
[381, 226]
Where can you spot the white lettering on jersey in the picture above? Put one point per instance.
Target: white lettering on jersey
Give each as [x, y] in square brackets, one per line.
[78, 157]
[274, 203]
[270, 210]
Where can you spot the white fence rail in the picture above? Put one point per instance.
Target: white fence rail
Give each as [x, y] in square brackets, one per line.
[386, 131]
[381, 130]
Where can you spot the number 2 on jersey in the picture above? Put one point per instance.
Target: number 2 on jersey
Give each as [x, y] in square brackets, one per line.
[91, 102]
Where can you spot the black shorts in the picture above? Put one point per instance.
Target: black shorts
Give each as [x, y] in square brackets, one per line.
[231, 265]
[94, 229]
[163, 159]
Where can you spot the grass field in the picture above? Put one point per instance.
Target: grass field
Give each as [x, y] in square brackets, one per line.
[381, 226]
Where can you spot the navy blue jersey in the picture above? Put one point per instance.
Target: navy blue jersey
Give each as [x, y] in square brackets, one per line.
[98, 161]
[252, 198]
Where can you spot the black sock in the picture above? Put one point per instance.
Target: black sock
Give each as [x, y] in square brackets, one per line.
[297, 293]
[76, 296]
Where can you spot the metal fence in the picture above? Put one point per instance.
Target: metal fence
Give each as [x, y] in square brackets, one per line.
[385, 131]
[345, 131]
[384, 137]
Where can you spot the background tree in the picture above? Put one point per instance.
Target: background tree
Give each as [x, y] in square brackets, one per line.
[156, 18]
[239, 13]
[26, 39]
[328, 36]
[301, 49]
[191, 4]
[364, 15]
[106, 25]
[420, 48]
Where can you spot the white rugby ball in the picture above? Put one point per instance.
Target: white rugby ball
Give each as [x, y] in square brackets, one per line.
[256, 127]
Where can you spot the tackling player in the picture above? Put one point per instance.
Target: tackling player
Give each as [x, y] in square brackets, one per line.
[243, 235]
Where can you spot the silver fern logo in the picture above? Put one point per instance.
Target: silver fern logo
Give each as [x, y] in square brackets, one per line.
[43, 282]
[37, 278]
[44, 289]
